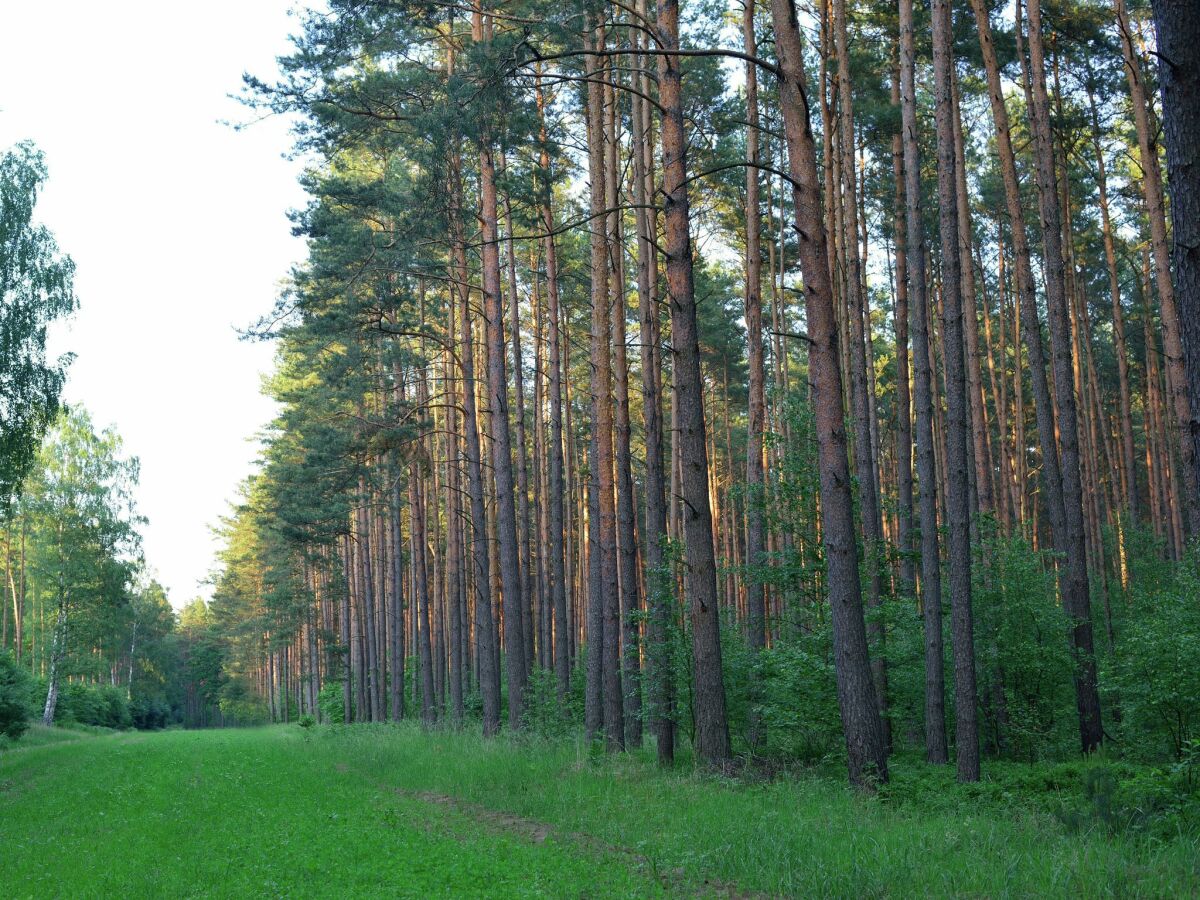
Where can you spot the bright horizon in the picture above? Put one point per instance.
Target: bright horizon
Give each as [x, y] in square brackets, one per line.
[178, 227]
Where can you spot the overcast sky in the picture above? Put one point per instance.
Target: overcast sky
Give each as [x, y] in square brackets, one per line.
[178, 228]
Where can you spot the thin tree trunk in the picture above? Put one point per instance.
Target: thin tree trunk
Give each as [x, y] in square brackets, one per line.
[489, 674]
[660, 672]
[1125, 409]
[966, 731]
[861, 398]
[931, 581]
[756, 415]
[501, 440]
[1076, 599]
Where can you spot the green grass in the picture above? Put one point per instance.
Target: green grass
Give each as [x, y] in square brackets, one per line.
[41, 736]
[393, 811]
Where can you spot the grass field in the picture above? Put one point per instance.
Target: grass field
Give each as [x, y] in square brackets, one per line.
[387, 811]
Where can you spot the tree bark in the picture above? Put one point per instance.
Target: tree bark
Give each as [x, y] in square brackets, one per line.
[1076, 598]
[931, 578]
[489, 675]
[1177, 81]
[861, 398]
[866, 750]
[756, 630]
[966, 732]
[1178, 28]
[660, 672]
[712, 728]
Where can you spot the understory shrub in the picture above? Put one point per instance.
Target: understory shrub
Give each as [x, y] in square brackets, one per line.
[1153, 678]
[331, 701]
[105, 705]
[15, 708]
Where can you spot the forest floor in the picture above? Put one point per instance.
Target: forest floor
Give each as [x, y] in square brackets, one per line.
[394, 811]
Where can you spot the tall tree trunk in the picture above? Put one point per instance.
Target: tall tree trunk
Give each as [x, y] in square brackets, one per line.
[1125, 409]
[420, 564]
[660, 671]
[497, 395]
[1178, 28]
[981, 448]
[627, 562]
[604, 599]
[756, 624]
[1076, 599]
[904, 434]
[866, 750]
[708, 688]
[861, 398]
[58, 650]
[966, 731]
[931, 578]
[396, 577]
[524, 521]
[558, 574]
[489, 675]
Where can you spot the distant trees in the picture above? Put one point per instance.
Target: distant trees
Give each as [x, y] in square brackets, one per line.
[83, 524]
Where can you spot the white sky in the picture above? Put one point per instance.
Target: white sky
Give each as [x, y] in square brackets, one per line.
[178, 228]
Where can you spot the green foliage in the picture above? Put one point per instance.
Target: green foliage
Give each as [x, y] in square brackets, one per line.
[82, 703]
[1022, 652]
[240, 705]
[796, 699]
[36, 288]
[150, 713]
[1154, 675]
[544, 715]
[15, 707]
[331, 701]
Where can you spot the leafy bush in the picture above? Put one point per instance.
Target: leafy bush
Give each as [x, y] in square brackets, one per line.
[150, 713]
[1158, 803]
[543, 714]
[1154, 675]
[15, 708]
[331, 702]
[104, 705]
[796, 700]
[1025, 667]
[242, 706]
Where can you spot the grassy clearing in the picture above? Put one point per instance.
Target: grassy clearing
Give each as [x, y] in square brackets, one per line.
[257, 813]
[387, 811]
